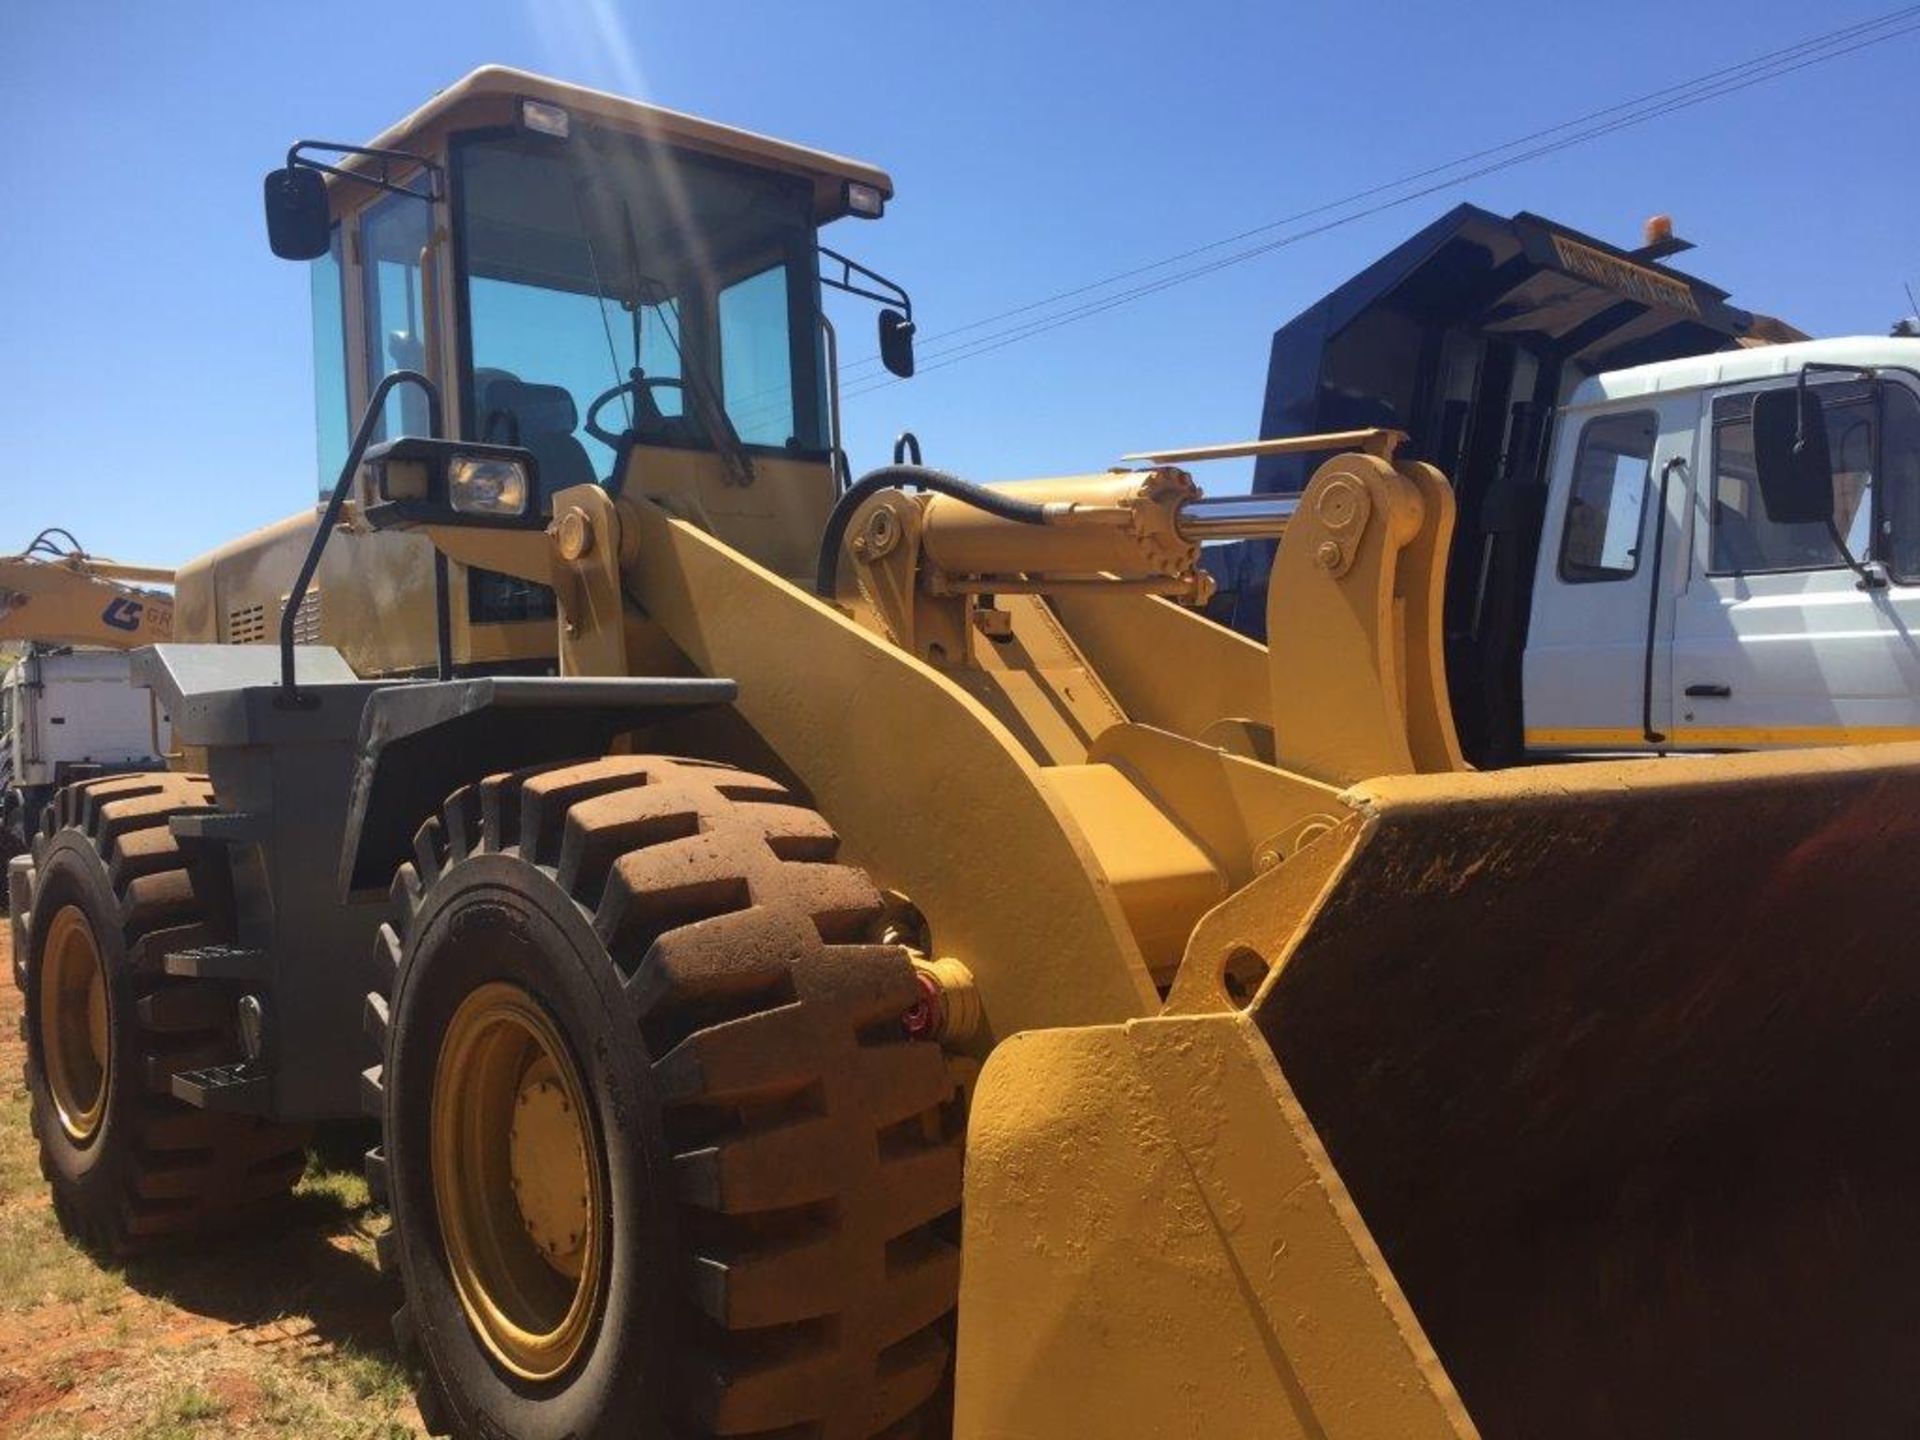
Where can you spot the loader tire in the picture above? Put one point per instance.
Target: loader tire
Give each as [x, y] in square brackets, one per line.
[129, 1165]
[749, 1228]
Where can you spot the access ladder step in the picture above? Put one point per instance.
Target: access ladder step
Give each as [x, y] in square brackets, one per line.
[215, 962]
[237, 1087]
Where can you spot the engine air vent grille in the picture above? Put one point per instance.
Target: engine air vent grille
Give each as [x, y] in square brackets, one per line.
[306, 620]
[247, 625]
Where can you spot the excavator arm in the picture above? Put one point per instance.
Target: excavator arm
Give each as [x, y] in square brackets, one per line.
[55, 596]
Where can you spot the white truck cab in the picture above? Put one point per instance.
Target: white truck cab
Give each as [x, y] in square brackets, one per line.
[1670, 610]
[1616, 580]
[66, 715]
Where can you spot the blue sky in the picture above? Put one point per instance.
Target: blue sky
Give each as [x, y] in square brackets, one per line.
[155, 384]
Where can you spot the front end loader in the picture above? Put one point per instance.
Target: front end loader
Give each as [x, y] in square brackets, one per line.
[867, 959]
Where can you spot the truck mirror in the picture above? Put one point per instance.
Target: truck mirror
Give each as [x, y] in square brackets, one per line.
[1790, 456]
[298, 225]
[896, 343]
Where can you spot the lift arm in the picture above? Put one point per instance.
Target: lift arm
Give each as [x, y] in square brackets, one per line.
[68, 597]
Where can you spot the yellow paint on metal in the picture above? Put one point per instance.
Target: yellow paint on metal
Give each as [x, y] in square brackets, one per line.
[775, 522]
[1242, 813]
[932, 794]
[1353, 624]
[1037, 683]
[547, 1163]
[83, 600]
[75, 1042]
[1163, 880]
[518, 1173]
[372, 599]
[1167, 666]
[1422, 591]
[1238, 945]
[1116, 525]
[1156, 1244]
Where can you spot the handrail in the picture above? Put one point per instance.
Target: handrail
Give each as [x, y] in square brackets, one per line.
[362, 437]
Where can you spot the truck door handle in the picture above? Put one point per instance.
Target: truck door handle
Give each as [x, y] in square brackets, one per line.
[1709, 692]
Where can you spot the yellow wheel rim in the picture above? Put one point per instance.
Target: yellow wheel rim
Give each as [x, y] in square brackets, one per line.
[517, 1173]
[73, 1024]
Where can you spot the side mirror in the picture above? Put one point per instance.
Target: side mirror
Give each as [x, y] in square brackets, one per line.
[896, 343]
[1790, 456]
[298, 225]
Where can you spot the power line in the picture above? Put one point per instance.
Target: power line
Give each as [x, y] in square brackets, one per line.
[1656, 104]
[968, 349]
[1770, 58]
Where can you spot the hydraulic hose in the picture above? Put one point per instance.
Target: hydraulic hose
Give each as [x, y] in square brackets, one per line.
[917, 477]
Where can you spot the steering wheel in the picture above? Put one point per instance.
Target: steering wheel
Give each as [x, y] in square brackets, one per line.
[641, 387]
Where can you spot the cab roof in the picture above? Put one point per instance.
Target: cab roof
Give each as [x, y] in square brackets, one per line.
[492, 94]
[1732, 367]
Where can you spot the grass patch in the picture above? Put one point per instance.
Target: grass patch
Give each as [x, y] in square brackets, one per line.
[277, 1328]
[38, 1263]
[344, 1188]
[19, 1151]
[181, 1414]
[368, 1376]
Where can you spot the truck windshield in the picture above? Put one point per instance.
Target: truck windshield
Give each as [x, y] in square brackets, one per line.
[586, 260]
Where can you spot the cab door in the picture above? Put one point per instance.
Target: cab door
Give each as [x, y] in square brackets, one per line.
[1603, 554]
[1777, 639]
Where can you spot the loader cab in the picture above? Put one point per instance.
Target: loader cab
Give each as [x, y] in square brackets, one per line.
[632, 295]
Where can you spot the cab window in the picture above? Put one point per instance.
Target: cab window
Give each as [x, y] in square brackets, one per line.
[393, 238]
[585, 261]
[332, 424]
[756, 357]
[1745, 540]
[1607, 499]
[1900, 464]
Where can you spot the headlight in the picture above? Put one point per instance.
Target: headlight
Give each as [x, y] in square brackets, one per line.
[478, 485]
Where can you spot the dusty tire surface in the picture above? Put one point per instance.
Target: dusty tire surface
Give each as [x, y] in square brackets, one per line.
[153, 1168]
[781, 1175]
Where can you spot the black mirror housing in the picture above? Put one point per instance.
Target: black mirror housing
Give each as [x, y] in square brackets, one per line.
[896, 343]
[1791, 460]
[299, 226]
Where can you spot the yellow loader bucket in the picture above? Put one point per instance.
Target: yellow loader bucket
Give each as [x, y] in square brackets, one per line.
[1620, 1064]
[1575, 1101]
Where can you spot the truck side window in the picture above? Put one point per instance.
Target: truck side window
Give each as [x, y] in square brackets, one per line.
[1745, 539]
[1608, 497]
[1900, 462]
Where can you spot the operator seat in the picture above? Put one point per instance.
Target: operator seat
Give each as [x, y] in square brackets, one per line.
[539, 418]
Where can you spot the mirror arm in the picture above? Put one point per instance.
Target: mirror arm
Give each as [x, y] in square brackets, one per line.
[887, 293]
[436, 176]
